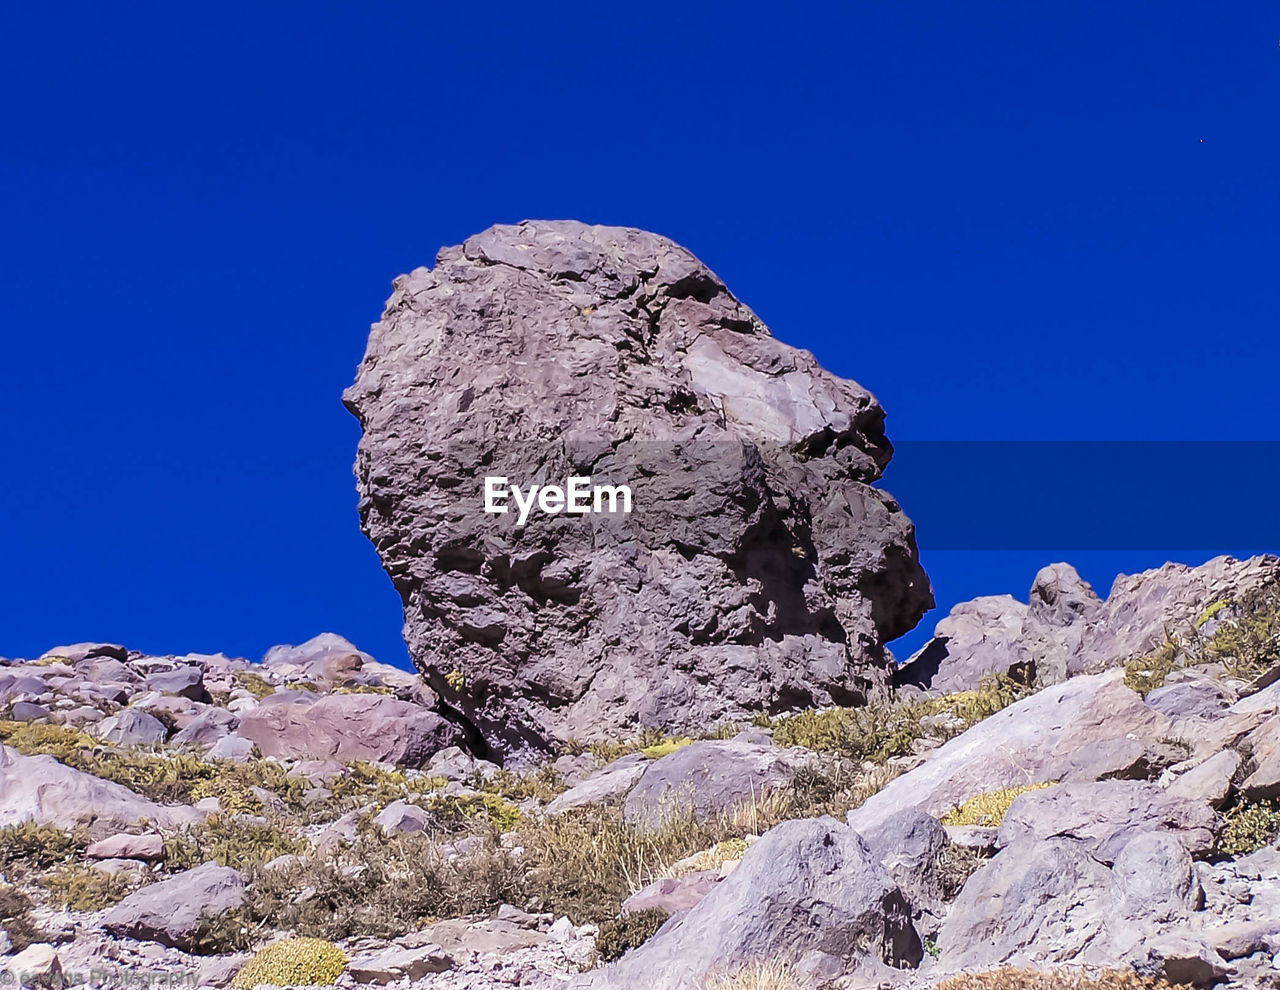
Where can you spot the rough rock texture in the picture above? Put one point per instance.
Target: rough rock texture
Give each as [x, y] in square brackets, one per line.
[758, 568]
[809, 893]
[169, 911]
[1067, 630]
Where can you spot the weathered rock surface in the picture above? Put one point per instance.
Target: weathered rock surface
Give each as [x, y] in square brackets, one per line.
[1067, 630]
[706, 779]
[169, 911]
[809, 893]
[606, 784]
[758, 568]
[349, 727]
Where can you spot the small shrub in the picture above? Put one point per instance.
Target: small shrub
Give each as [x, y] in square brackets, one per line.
[460, 810]
[544, 784]
[1009, 978]
[38, 847]
[83, 888]
[1248, 643]
[364, 689]
[770, 975]
[988, 809]
[956, 864]
[43, 739]
[1249, 827]
[231, 842]
[665, 748]
[711, 859]
[302, 686]
[1145, 674]
[16, 919]
[295, 962]
[631, 930]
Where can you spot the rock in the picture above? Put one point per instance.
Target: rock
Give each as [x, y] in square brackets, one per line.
[349, 727]
[309, 658]
[36, 965]
[1034, 741]
[673, 894]
[977, 638]
[149, 846]
[1034, 903]
[184, 681]
[758, 568]
[26, 711]
[808, 893]
[131, 727]
[908, 845]
[1181, 959]
[233, 748]
[1209, 781]
[1264, 744]
[1154, 881]
[208, 727]
[1103, 816]
[611, 782]
[169, 911]
[41, 789]
[401, 816]
[1190, 695]
[706, 779]
[395, 963]
[88, 651]
[219, 971]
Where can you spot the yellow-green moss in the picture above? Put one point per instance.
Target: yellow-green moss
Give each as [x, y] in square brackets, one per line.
[713, 858]
[456, 679]
[82, 888]
[229, 842]
[1146, 673]
[43, 739]
[302, 686]
[665, 748]
[501, 815]
[364, 689]
[295, 962]
[988, 809]
[255, 684]
[38, 847]
[544, 784]
[631, 930]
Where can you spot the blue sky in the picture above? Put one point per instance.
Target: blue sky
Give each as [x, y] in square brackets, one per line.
[1009, 221]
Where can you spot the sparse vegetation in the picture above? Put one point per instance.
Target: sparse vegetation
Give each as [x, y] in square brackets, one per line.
[1009, 978]
[80, 887]
[711, 859]
[295, 962]
[229, 841]
[16, 918]
[956, 864]
[1247, 644]
[1249, 826]
[38, 847]
[988, 809]
[1146, 673]
[544, 784]
[464, 811]
[770, 975]
[631, 930]
[255, 684]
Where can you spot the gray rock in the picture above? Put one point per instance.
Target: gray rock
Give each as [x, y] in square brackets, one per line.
[131, 727]
[207, 727]
[1154, 881]
[1034, 903]
[674, 895]
[184, 681]
[1181, 958]
[1197, 695]
[607, 784]
[758, 568]
[706, 779]
[908, 845]
[149, 846]
[41, 789]
[401, 816]
[233, 748]
[169, 911]
[1264, 745]
[808, 893]
[26, 711]
[1209, 781]
[1102, 817]
[395, 963]
[349, 727]
[88, 651]
[977, 638]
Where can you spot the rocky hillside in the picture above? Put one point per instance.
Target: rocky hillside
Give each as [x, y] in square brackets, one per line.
[759, 568]
[313, 819]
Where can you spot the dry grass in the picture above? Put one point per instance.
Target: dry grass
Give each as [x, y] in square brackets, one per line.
[1009, 978]
[78, 887]
[770, 975]
[988, 809]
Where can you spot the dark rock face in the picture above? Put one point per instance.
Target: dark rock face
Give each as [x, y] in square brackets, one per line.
[758, 568]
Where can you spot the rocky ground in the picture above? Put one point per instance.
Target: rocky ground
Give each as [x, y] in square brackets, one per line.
[175, 815]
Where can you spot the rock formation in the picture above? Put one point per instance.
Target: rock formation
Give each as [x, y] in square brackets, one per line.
[758, 568]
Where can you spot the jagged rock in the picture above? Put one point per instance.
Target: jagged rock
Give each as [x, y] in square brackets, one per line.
[169, 911]
[40, 788]
[1209, 781]
[1036, 902]
[88, 651]
[349, 727]
[401, 816]
[611, 782]
[1066, 630]
[207, 727]
[1190, 693]
[1154, 881]
[126, 846]
[395, 963]
[758, 568]
[1103, 816]
[808, 892]
[184, 681]
[706, 779]
[131, 727]
[909, 845]
[1036, 740]
[26, 711]
[1180, 958]
[1264, 745]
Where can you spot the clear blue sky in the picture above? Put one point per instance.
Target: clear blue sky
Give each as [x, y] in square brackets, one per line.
[1020, 221]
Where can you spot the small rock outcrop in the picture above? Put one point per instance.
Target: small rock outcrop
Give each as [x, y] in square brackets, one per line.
[758, 569]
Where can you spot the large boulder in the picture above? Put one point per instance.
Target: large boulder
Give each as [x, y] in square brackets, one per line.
[170, 911]
[809, 893]
[706, 779]
[758, 568]
[40, 789]
[349, 727]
